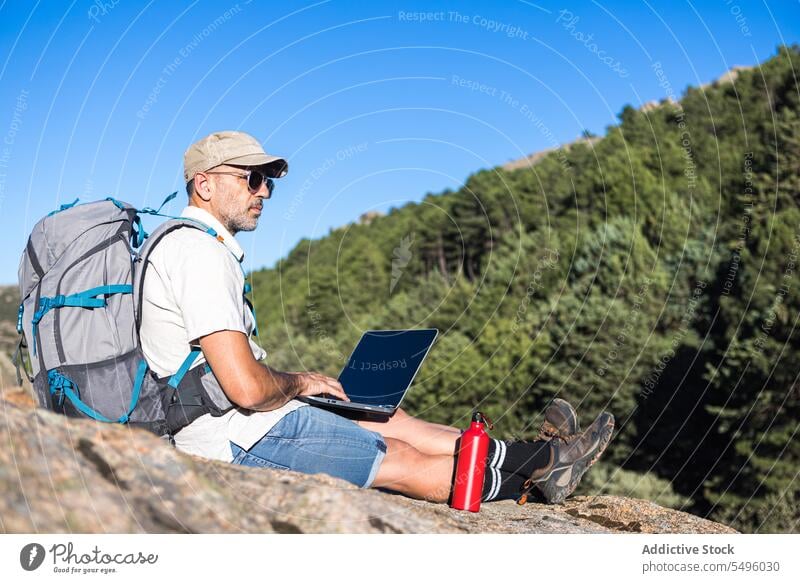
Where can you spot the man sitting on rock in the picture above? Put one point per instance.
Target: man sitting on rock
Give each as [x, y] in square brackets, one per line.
[193, 295]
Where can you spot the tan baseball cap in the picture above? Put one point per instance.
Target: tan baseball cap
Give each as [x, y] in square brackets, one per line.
[230, 147]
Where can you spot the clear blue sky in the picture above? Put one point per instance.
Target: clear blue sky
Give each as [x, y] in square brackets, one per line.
[372, 104]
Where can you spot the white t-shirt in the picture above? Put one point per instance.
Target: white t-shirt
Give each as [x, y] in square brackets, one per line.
[194, 287]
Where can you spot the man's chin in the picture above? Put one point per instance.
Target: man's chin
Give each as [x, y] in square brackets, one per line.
[248, 224]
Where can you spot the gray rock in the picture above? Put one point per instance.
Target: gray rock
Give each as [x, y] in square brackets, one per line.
[61, 475]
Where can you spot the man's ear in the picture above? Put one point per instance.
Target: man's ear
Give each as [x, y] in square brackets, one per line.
[203, 186]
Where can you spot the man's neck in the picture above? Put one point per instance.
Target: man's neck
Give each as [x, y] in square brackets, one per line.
[202, 205]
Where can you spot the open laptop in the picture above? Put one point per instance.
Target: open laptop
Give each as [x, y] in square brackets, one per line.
[380, 370]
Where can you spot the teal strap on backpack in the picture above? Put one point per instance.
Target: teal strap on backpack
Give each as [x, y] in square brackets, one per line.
[151, 211]
[63, 207]
[137, 390]
[117, 203]
[176, 379]
[200, 224]
[247, 289]
[61, 386]
[139, 234]
[84, 299]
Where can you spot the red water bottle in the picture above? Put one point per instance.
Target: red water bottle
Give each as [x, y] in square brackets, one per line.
[471, 465]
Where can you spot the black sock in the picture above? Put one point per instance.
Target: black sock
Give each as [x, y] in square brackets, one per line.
[519, 457]
[508, 466]
[501, 485]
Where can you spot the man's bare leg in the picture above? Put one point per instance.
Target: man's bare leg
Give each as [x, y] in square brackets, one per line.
[407, 470]
[430, 438]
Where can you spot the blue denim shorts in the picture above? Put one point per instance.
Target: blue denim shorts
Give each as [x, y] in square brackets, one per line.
[312, 440]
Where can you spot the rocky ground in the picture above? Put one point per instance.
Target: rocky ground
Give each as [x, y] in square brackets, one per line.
[63, 475]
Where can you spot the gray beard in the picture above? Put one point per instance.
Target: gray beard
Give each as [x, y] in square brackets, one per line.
[236, 224]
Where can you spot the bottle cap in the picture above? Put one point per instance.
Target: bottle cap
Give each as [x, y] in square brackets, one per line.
[480, 417]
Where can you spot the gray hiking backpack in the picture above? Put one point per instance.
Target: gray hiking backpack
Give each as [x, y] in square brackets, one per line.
[81, 278]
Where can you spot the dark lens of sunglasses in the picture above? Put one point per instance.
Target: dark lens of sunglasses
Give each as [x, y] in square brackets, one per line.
[255, 181]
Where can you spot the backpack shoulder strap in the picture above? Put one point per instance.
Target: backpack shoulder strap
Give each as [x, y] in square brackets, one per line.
[143, 261]
[173, 224]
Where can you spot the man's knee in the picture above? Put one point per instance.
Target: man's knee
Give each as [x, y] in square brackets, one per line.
[400, 414]
[401, 459]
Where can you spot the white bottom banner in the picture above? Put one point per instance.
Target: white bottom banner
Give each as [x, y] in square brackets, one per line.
[395, 558]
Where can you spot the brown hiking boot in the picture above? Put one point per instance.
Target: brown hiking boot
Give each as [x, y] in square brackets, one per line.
[560, 420]
[570, 458]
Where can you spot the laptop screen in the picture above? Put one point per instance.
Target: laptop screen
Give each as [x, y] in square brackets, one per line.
[383, 365]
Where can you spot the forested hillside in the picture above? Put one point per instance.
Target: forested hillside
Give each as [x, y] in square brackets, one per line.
[652, 272]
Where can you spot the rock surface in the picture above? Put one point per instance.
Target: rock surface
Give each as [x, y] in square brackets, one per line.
[73, 476]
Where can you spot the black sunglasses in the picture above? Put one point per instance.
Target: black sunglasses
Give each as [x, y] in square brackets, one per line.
[255, 178]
